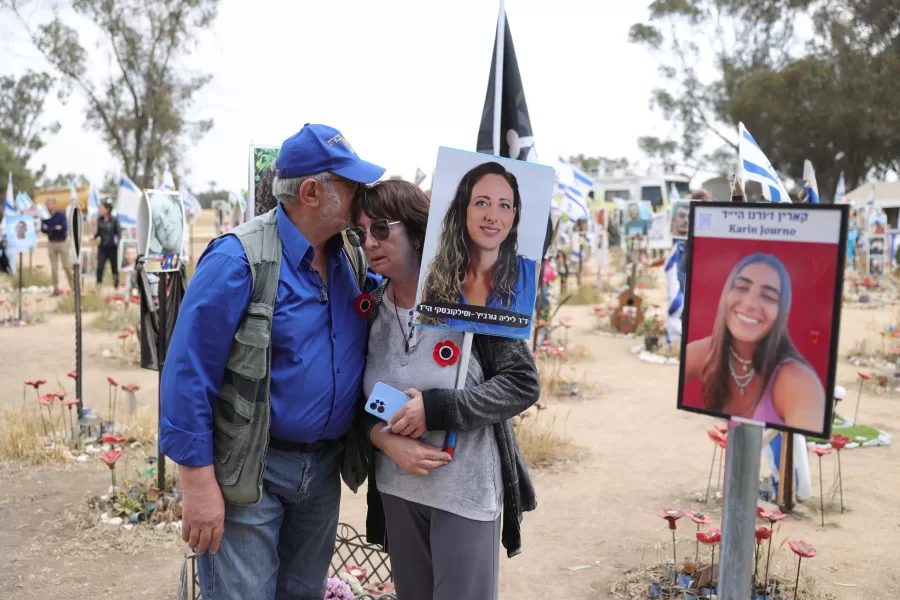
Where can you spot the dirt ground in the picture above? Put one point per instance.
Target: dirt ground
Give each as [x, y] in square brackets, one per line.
[638, 456]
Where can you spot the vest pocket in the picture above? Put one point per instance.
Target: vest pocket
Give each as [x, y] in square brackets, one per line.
[232, 425]
[248, 354]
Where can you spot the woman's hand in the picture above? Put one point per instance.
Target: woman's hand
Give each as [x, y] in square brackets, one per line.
[413, 456]
[409, 421]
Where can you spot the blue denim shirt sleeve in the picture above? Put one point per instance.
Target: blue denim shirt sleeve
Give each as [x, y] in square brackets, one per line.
[213, 306]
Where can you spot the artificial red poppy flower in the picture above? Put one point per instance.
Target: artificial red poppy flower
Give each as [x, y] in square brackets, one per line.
[47, 399]
[565, 322]
[110, 457]
[35, 383]
[380, 588]
[109, 438]
[547, 343]
[60, 395]
[671, 515]
[73, 374]
[763, 533]
[123, 336]
[38, 300]
[598, 310]
[771, 517]
[838, 441]
[112, 382]
[70, 402]
[446, 353]
[357, 572]
[723, 429]
[700, 519]
[713, 536]
[132, 330]
[558, 351]
[802, 549]
[715, 436]
[108, 299]
[865, 376]
[135, 300]
[364, 305]
[821, 451]
[130, 387]
[723, 443]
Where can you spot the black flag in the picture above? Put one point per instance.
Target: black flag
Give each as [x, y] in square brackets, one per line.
[516, 136]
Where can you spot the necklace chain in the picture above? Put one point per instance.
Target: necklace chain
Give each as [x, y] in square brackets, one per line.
[407, 338]
[738, 379]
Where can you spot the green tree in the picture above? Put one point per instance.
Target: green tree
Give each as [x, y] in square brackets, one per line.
[141, 109]
[23, 178]
[600, 166]
[63, 180]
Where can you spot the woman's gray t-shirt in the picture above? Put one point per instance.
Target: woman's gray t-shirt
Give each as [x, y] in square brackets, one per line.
[470, 485]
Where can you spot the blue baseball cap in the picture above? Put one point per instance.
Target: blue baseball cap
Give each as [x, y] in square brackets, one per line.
[319, 148]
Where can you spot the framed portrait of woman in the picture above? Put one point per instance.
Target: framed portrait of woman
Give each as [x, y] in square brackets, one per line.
[161, 230]
[762, 313]
[483, 246]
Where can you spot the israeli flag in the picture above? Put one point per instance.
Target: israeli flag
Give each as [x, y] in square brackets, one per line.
[675, 296]
[754, 166]
[191, 204]
[93, 203]
[574, 186]
[168, 180]
[810, 187]
[23, 202]
[674, 196]
[128, 200]
[8, 204]
[840, 195]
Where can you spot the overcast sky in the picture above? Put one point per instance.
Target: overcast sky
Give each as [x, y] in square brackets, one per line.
[398, 77]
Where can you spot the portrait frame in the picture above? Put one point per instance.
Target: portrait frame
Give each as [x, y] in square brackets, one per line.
[813, 262]
[455, 222]
[161, 230]
[659, 235]
[17, 224]
[645, 210]
[680, 214]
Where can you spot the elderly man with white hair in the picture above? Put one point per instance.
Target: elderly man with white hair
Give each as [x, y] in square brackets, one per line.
[262, 377]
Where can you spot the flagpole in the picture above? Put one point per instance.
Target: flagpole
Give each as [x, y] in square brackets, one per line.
[498, 76]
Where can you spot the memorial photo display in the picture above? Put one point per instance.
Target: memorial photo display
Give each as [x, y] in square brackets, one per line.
[762, 312]
[484, 242]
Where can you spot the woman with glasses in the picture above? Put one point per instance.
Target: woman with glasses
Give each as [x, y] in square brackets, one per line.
[439, 516]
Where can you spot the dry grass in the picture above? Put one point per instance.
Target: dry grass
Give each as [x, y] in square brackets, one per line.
[117, 318]
[541, 444]
[35, 276]
[22, 436]
[586, 295]
[143, 426]
[91, 301]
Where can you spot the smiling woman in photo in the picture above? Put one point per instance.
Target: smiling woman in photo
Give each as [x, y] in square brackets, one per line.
[749, 367]
[477, 261]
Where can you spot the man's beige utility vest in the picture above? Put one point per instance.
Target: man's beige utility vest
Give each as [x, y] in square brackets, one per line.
[242, 408]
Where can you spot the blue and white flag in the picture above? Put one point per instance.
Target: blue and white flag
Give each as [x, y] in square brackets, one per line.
[73, 194]
[574, 187]
[191, 204]
[810, 187]
[23, 202]
[840, 195]
[128, 200]
[754, 166]
[168, 180]
[93, 208]
[8, 204]
[675, 296]
[674, 196]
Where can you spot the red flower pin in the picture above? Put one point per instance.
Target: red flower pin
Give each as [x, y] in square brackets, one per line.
[446, 353]
[364, 305]
[763, 533]
[802, 549]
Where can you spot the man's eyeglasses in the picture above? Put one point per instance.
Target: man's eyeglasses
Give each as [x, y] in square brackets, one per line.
[379, 230]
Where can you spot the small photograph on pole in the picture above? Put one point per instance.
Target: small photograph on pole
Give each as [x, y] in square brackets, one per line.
[20, 234]
[161, 230]
[681, 213]
[484, 242]
[762, 313]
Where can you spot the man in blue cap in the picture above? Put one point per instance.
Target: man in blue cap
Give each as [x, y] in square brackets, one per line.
[262, 378]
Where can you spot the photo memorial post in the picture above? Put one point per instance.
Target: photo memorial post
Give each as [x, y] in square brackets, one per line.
[760, 340]
[73, 218]
[20, 238]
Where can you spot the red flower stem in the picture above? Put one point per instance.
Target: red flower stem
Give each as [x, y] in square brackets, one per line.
[43, 422]
[756, 566]
[112, 470]
[719, 481]
[712, 567]
[797, 582]
[109, 403]
[709, 482]
[674, 557]
[50, 410]
[858, 397]
[821, 492]
[768, 559]
[697, 551]
[840, 481]
[115, 402]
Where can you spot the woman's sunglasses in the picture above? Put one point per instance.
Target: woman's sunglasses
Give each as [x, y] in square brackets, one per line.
[379, 230]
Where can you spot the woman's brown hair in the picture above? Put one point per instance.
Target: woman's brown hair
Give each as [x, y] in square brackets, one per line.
[396, 200]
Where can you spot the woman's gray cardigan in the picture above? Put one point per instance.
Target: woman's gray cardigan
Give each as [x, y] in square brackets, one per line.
[512, 387]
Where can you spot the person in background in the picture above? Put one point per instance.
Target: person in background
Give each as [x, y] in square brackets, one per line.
[4, 259]
[108, 233]
[57, 230]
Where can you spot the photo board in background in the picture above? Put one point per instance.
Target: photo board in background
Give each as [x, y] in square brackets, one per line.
[20, 234]
[495, 210]
[762, 313]
[659, 237]
[161, 230]
[128, 253]
[681, 215]
[636, 218]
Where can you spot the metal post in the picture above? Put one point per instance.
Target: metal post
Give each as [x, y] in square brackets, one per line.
[788, 475]
[161, 346]
[739, 519]
[498, 78]
[21, 285]
[79, 371]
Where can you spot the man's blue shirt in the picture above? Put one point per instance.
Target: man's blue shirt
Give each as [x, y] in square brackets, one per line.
[48, 226]
[318, 350]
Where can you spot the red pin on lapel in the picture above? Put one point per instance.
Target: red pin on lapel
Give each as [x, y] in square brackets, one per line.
[815, 336]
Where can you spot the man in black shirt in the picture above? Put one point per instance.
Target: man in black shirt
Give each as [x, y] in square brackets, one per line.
[56, 229]
[108, 233]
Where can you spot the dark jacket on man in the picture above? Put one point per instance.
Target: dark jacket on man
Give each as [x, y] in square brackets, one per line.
[108, 231]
